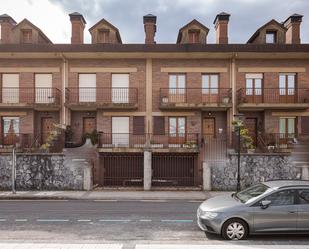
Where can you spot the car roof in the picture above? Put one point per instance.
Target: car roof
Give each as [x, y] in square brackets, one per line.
[287, 183]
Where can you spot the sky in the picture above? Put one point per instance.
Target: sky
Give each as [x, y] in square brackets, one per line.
[51, 16]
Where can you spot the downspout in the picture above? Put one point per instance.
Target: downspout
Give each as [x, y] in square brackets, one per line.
[64, 118]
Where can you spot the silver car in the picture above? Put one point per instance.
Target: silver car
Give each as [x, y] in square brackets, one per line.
[269, 207]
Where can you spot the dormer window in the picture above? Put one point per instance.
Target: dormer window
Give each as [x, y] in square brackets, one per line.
[194, 35]
[103, 36]
[26, 36]
[271, 37]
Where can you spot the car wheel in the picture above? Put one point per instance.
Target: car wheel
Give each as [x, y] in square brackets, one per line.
[234, 229]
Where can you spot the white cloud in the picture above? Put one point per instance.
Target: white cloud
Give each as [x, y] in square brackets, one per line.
[50, 18]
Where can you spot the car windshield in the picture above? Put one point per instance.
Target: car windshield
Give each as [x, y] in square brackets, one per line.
[251, 192]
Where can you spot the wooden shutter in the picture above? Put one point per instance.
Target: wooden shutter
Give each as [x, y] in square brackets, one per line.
[138, 125]
[158, 125]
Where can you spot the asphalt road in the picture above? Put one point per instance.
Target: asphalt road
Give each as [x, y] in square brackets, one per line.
[127, 222]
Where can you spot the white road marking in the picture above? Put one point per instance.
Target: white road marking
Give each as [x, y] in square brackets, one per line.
[22, 200]
[145, 220]
[180, 221]
[52, 220]
[2, 220]
[84, 220]
[21, 220]
[102, 220]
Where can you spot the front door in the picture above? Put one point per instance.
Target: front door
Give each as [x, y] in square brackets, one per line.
[209, 127]
[281, 215]
[177, 88]
[251, 125]
[47, 125]
[120, 130]
[89, 125]
[287, 85]
[177, 130]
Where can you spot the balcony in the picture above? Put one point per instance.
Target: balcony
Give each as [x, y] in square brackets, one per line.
[196, 98]
[93, 98]
[185, 142]
[37, 98]
[273, 98]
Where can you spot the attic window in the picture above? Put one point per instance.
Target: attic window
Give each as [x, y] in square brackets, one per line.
[271, 37]
[194, 35]
[103, 36]
[26, 36]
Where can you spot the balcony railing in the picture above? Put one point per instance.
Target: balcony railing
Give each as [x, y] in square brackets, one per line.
[273, 95]
[23, 95]
[195, 96]
[101, 95]
[18, 140]
[129, 140]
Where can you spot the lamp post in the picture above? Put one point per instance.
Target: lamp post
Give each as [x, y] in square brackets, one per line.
[239, 116]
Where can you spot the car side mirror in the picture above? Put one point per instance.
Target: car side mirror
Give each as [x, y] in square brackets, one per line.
[265, 204]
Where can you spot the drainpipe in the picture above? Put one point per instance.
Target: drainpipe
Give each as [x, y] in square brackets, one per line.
[63, 85]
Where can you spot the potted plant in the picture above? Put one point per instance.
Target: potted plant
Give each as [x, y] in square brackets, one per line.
[246, 139]
[225, 100]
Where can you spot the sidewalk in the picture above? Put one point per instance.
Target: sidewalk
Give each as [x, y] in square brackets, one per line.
[109, 195]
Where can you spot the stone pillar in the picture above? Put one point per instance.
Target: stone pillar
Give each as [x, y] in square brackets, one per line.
[206, 176]
[87, 178]
[305, 172]
[147, 170]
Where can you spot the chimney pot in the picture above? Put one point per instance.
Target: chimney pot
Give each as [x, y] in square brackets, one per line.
[292, 23]
[221, 25]
[150, 28]
[78, 25]
[7, 23]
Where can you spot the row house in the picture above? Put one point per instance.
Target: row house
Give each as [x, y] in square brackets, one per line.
[176, 101]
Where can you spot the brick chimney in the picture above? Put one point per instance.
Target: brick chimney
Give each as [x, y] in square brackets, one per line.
[150, 28]
[221, 25]
[78, 25]
[7, 23]
[292, 23]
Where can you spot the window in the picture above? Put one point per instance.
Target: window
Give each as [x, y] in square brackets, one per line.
[251, 192]
[303, 197]
[120, 88]
[281, 198]
[210, 83]
[87, 87]
[287, 127]
[43, 88]
[10, 130]
[177, 126]
[177, 88]
[103, 35]
[271, 37]
[194, 36]
[10, 88]
[287, 84]
[26, 36]
[254, 84]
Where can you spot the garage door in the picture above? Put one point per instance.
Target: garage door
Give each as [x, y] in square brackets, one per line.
[121, 169]
[174, 169]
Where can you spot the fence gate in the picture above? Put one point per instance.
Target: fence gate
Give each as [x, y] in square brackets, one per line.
[121, 169]
[174, 169]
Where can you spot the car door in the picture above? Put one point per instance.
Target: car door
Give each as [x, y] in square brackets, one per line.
[280, 215]
[303, 210]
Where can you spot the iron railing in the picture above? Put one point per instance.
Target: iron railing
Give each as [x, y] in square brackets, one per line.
[195, 95]
[273, 95]
[18, 140]
[178, 140]
[102, 95]
[30, 95]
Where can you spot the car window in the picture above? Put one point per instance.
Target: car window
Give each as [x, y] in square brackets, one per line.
[303, 197]
[281, 198]
[252, 192]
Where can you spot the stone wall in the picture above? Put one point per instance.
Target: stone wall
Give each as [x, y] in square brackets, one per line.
[254, 168]
[41, 172]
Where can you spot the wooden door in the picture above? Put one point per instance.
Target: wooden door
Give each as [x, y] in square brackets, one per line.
[209, 129]
[251, 125]
[89, 125]
[47, 125]
[287, 88]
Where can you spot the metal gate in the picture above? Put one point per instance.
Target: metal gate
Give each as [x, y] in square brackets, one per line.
[121, 169]
[174, 169]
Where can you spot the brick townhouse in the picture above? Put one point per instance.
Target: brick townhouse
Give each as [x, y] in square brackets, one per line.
[176, 101]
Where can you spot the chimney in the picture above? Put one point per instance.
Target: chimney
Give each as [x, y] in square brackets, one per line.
[221, 25]
[78, 26]
[150, 28]
[7, 23]
[292, 23]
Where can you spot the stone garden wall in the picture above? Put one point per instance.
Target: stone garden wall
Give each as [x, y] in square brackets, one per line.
[40, 172]
[254, 168]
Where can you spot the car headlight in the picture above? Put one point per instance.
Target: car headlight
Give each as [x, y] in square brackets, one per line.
[207, 214]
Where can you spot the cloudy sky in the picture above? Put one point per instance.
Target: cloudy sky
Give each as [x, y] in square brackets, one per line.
[246, 16]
